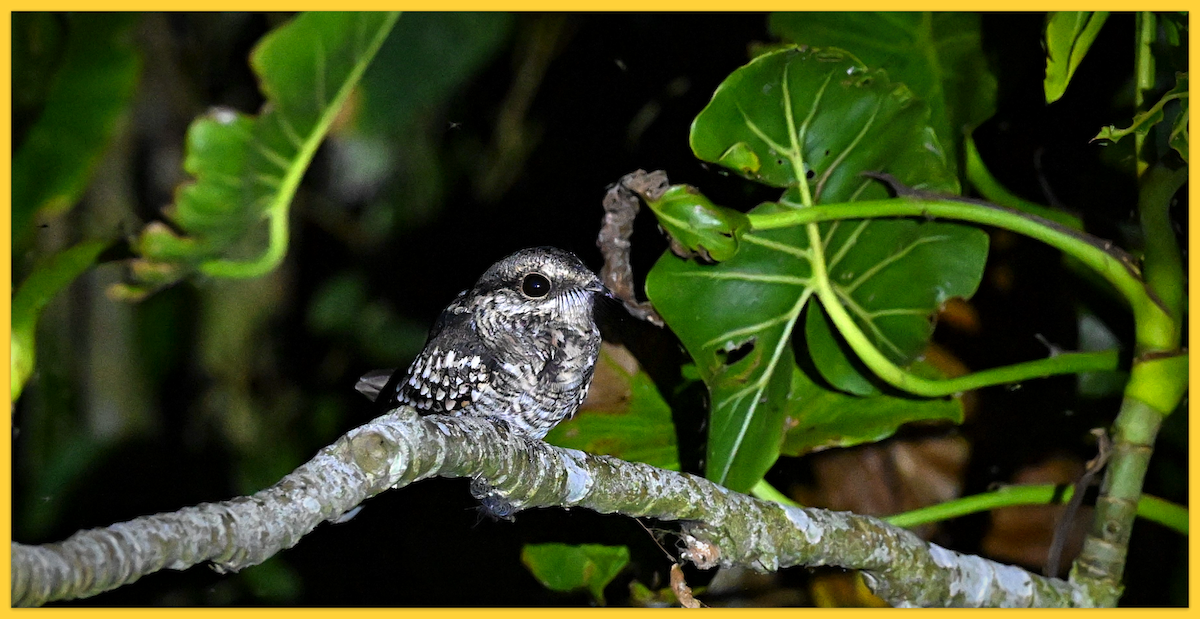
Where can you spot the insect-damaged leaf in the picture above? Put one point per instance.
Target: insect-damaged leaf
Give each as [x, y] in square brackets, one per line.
[814, 119]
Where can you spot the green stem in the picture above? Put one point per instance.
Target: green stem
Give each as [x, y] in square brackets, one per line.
[1163, 265]
[1101, 562]
[1149, 507]
[1087, 250]
[1091, 252]
[1159, 376]
[1143, 58]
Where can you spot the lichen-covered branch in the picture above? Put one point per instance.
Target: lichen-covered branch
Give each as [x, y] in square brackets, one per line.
[722, 527]
[900, 567]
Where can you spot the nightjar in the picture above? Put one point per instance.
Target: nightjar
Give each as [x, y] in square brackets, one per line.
[519, 346]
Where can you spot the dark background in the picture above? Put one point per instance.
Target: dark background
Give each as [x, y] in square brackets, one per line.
[374, 258]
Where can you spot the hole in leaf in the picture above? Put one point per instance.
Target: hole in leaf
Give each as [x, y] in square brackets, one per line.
[810, 174]
[732, 353]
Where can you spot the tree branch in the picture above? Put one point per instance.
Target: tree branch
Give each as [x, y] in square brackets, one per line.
[722, 527]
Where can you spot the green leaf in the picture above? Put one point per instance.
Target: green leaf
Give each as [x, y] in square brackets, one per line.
[635, 427]
[1179, 131]
[802, 111]
[1069, 35]
[247, 169]
[426, 58]
[1145, 121]
[939, 56]
[86, 98]
[738, 318]
[697, 224]
[393, 149]
[735, 319]
[563, 567]
[818, 418]
[49, 277]
[832, 357]
[816, 119]
[891, 275]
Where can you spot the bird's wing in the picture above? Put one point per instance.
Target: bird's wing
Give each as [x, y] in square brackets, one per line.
[452, 369]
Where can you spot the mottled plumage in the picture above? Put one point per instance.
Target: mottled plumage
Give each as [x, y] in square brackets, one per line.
[520, 346]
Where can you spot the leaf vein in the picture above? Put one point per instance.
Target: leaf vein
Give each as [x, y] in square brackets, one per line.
[777, 246]
[751, 277]
[761, 384]
[891, 259]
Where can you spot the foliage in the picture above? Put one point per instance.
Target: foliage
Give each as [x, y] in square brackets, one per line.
[50, 277]
[90, 92]
[937, 55]
[247, 169]
[810, 121]
[561, 567]
[882, 93]
[1143, 122]
[1069, 34]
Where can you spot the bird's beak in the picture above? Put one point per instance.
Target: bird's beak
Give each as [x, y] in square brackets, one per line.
[601, 289]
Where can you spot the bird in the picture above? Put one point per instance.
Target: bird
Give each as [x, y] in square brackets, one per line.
[519, 346]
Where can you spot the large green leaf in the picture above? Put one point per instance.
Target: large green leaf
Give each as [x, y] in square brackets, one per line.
[1069, 35]
[939, 56]
[809, 121]
[738, 320]
[393, 149]
[88, 94]
[812, 120]
[563, 567]
[247, 169]
[637, 427]
[427, 57]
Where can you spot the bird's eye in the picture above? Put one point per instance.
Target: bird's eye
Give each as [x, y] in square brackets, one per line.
[535, 286]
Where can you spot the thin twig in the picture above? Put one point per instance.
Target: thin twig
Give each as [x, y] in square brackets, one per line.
[621, 205]
[1085, 481]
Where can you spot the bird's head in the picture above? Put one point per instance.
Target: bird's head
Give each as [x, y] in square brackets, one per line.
[539, 283]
